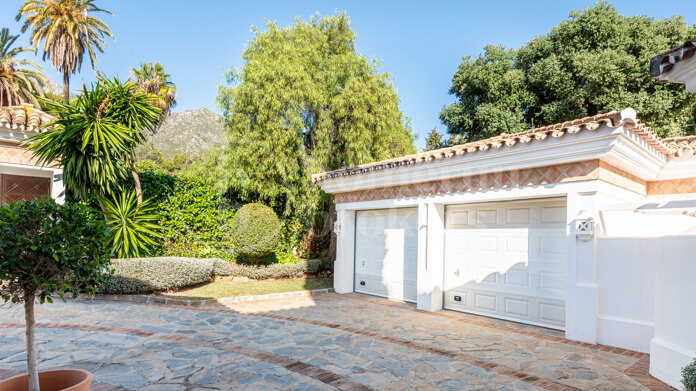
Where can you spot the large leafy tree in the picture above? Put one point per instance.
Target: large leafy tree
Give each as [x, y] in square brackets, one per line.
[305, 101]
[21, 81]
[68, 31]
[595, 61]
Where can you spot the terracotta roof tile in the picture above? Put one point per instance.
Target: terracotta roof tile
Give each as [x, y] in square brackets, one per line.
[24, 117]
[612, 119]
[664, 62]
[681, 145]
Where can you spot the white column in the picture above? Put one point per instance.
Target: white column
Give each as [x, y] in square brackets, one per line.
[345, 252]
[431, 235]
[581, 288]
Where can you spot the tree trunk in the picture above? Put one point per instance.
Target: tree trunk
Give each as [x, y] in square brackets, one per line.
[136, 178]
[103, 208]
[32, 368]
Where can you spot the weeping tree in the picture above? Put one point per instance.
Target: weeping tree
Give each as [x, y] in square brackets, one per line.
[305, 101]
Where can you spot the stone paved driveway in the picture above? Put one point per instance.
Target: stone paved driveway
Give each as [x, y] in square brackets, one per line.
[326, 342]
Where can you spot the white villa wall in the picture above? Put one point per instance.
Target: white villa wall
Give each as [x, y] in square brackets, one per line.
[626, 279]
[674, 343]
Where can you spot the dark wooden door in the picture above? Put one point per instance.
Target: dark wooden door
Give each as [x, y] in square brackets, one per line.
[20, 187]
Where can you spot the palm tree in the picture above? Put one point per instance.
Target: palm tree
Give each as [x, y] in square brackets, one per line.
[68, 31]
[18, 84]
[153, 79]
[93, 136]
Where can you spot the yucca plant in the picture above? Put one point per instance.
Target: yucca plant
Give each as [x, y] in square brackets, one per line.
[132, 226]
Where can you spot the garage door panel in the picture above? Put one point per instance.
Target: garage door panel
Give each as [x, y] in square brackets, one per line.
[386, 253]
[508, 260]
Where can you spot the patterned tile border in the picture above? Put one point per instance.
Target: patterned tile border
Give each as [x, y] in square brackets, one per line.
[673, 186]
[95, 386]
[332, 379]
[572, 172]
[160, 299]
[564, 173]
[16, 155]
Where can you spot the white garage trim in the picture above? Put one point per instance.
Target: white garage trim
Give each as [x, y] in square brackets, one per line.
[507, 260]
[386, 253]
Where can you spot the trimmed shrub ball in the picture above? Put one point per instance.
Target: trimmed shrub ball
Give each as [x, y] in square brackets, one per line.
[255, 232]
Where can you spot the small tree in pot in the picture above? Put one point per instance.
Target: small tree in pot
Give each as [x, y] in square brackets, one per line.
[49, 249]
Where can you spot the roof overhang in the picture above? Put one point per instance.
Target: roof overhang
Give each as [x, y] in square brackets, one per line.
[620, 147]
[682, 72]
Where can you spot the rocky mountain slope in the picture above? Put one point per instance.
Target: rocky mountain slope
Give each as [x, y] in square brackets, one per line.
[191, 132]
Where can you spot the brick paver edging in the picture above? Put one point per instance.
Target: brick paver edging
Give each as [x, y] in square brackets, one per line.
[95, 386]
[159, 299]
[327, 377]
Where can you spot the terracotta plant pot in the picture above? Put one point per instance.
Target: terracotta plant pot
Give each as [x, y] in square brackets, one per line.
[60, 380]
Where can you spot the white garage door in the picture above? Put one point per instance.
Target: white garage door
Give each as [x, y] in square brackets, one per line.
[386, 246]
[507, 260]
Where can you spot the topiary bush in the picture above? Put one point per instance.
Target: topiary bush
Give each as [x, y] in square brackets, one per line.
[278, 270]
[144, 275]
[689, 376]
[255, 232]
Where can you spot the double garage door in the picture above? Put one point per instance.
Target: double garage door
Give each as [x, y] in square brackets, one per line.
[505, 260]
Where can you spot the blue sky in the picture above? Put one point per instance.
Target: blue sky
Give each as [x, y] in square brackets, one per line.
[420, 43]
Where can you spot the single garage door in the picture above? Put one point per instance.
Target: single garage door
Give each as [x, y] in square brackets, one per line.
[507, 260]
[386, 246]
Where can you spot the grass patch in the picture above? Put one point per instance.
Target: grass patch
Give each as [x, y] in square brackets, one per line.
[220, 289]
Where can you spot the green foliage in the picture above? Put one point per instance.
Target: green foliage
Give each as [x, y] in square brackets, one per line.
[593, 62]
[277, 270]
[132, 226]
[305, 101]
[194, 213]
[689, 376]
[434, 140]
[255, 232]
[144, 275]
[47, 249]
[93, 136]
[151, 166]
[21, 81]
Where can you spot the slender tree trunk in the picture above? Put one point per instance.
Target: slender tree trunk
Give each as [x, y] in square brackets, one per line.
[32, 368]
[103, 208]
[136, 178]
[66, 87]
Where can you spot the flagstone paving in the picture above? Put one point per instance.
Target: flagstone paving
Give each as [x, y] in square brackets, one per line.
[326, 342]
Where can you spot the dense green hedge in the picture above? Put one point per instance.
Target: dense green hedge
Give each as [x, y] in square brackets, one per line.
[278, 270]
[255, 231]
[144, 275]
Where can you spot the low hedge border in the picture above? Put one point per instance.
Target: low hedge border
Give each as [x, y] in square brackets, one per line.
[168, 300]
[145, 275]
[264, 272]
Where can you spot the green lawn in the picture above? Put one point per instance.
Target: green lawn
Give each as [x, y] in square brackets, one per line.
[220, 289]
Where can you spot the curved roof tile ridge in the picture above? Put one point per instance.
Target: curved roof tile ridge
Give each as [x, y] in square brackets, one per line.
[24, 117]
[613, 119]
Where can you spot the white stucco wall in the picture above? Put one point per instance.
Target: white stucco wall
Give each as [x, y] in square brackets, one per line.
[674, 343]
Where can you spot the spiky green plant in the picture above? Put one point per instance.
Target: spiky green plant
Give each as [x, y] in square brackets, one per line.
[132, 225]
